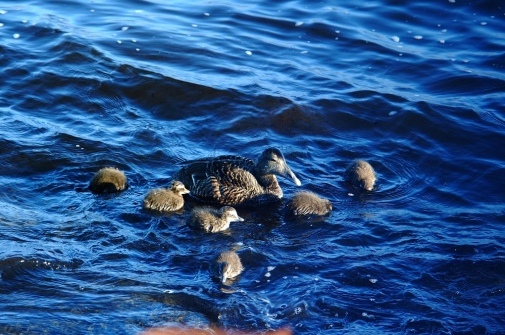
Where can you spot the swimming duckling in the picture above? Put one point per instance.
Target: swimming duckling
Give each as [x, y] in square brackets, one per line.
[361, 175]
[308, 203]
[212, 220]
[234, 180]
[166, 199]
[108, 180]
[226, 265]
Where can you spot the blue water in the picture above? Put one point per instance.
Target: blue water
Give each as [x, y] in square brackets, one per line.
[415, 88]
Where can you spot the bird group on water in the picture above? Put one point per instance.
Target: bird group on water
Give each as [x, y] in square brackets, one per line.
[227, 182]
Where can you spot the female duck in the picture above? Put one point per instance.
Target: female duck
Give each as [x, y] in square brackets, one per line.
[308, 203]
[166, 200]
[108, 180]
[227, 265]
[235, 180]
[211, 220]
[361, 175]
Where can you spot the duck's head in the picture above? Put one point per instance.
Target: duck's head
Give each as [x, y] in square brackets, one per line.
[365, 175]
[230, 214]
[178, 187]
[225, 272]
[368, 183]
[271, 161]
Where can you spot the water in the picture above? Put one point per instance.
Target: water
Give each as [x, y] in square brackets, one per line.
[415, 88]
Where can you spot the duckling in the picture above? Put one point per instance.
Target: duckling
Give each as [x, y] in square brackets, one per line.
[308, 203]
[226, 265]
[108, 180]
[212, 220]
[166, 199]
[361, 175]
[234, 180]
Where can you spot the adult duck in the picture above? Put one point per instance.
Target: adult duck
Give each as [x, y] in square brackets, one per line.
[236, 181]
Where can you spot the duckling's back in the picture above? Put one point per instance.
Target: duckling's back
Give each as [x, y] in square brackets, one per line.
[202, 218]
[163, 200]
[308, 203]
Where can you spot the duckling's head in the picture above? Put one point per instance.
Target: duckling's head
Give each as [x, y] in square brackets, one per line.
[178, 187]
[271, 161]
[368, 183]
[225, 272]
[367, 176]
[328, 205]
[230, 214]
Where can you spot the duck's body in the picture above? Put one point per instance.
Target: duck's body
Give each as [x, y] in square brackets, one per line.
[235, 180]
[361, 175]
[212, 220]
[227, 265]
[308, 203]
[108, 180]
[166, 199]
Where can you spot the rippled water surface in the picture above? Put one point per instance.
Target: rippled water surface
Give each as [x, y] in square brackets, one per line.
[415, 88]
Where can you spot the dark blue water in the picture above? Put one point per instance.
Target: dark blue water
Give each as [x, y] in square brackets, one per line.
[415, 88]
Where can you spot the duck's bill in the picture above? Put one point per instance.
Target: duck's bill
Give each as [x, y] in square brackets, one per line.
[290, 174]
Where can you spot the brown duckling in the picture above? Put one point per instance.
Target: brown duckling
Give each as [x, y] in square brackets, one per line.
[108, 180]
[226, 265]
[308, 203]
[212, 220]
[361, 175]
[166, 199]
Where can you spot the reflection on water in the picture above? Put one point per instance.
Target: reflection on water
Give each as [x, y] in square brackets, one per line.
[413, 88]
